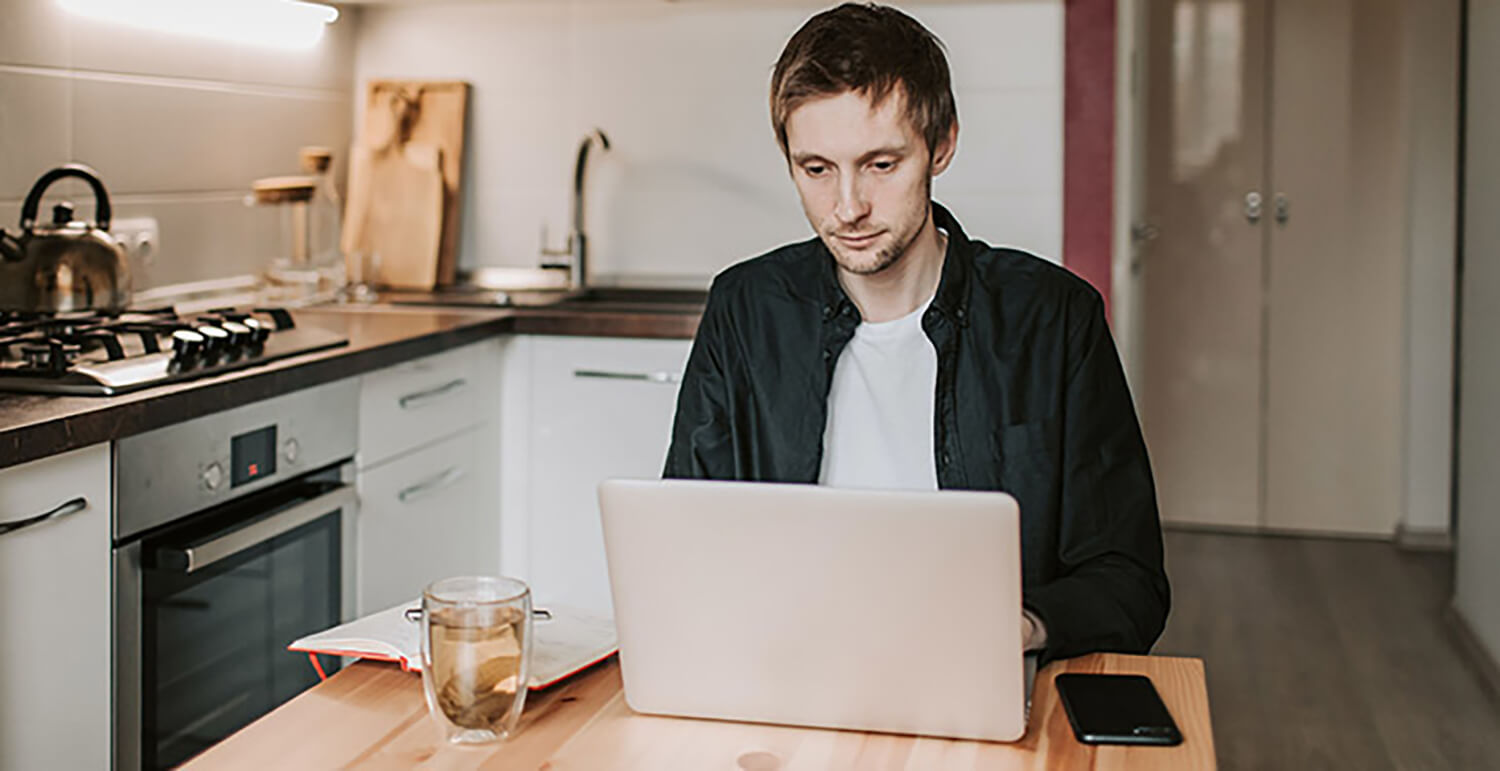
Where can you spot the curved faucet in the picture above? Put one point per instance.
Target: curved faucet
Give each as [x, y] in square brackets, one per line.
[577, 247]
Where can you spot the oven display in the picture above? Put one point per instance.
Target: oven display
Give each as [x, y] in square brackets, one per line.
[252, 456]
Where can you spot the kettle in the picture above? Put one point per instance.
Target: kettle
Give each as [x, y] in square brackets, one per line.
[68, 264]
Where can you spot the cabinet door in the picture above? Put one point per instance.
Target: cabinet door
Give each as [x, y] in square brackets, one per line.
[424, 516]
[415, 403]
[601, 408]
[54, 599]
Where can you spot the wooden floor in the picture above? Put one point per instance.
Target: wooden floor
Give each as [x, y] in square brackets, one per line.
[1327, 653]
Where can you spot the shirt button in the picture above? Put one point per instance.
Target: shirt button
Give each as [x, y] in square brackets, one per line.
[827, 354]
[960, 314]
[827, 311]
[946, 460]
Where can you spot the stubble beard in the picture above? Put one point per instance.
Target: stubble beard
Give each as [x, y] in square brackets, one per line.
[886, 256]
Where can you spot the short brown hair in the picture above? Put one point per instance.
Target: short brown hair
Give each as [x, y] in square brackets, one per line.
[869, 49]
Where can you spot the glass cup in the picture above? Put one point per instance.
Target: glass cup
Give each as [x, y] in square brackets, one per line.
[476, 655]
[362, 266]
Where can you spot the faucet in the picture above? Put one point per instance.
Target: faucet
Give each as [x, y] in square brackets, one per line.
[577, 246]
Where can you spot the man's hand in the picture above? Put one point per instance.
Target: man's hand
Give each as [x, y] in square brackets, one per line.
[1033, 633]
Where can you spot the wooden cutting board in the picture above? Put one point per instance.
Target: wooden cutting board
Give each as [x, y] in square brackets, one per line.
[395, 211]
[423, 112]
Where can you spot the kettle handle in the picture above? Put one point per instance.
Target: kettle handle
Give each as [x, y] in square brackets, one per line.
[34, 198]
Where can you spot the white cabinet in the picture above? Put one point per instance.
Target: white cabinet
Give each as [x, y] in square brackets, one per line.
[55, 606]
[578, 411]
[429, 477]
[425, 516]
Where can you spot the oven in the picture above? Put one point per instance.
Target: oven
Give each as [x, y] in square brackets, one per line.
[234, 536]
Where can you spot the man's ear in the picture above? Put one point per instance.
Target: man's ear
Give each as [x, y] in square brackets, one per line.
[942, 155]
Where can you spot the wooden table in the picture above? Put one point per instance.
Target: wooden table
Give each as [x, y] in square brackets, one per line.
[372, 715]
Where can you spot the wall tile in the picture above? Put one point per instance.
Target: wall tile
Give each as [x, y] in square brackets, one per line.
[150, 137]
[34, 33]
[34, 129]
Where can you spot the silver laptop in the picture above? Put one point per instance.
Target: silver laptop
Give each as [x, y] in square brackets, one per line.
[801, 605]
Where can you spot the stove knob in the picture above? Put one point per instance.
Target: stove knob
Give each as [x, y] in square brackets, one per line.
[186, 344]
[240, 335]
[213, 476]
[214, 339]
[290, 450]
[259, 329]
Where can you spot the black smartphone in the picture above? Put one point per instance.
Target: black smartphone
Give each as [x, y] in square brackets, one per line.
[1116, 709]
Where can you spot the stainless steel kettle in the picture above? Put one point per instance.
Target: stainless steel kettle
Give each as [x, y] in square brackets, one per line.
[67, 265]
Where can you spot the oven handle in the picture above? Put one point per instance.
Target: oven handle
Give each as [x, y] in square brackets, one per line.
[191, 558]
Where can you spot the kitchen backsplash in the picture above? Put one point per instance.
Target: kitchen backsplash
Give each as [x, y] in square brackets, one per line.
[694, 180]
[177, 127]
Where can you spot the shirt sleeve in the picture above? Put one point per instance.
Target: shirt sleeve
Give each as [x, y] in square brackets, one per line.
[702, 443]
[1112, 592]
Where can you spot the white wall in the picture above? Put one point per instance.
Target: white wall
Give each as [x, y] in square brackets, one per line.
[177, 127]
[695, 181]
[1478, 517]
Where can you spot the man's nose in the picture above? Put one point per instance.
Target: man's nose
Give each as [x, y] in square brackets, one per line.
[853, 204]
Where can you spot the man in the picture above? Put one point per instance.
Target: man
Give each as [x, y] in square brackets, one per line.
[893, 351]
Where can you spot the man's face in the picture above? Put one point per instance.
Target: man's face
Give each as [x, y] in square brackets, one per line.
[864, 175]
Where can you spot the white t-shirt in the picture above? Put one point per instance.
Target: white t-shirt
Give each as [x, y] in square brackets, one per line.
[879, 429]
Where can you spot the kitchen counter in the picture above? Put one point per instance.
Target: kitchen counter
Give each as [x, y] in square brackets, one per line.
[373, 715]
[36, 426]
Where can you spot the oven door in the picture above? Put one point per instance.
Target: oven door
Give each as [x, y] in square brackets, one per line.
[205, 610]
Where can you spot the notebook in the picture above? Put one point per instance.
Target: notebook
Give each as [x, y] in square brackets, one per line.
[565, 641]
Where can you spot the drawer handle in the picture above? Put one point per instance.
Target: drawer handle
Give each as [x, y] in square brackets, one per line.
[668, 378]
[423, 398]
[62, 510]
[431, 485]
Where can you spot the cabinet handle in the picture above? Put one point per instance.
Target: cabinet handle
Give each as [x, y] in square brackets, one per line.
[422, 398]
[669, 378]
[431, 484]
[62, 510]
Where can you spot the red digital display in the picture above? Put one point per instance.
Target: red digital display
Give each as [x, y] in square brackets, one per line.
[253, 455]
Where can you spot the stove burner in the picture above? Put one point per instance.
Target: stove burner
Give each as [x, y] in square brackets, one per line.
[105, 353]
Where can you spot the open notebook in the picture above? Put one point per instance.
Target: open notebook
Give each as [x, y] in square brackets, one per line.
[562, 645]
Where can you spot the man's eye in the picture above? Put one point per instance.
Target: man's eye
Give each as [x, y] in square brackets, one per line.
[884, 165]
[814, 170]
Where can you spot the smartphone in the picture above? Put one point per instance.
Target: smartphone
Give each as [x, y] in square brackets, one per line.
[1116, 709]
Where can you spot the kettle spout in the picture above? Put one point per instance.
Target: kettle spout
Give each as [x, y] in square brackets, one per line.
[11, 249]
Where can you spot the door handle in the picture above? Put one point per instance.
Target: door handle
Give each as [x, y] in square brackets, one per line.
[431, 484]
[423, 398]
[61, 510]
[1252, 207]
[186, 559]
[1283, 209]
[670, 378]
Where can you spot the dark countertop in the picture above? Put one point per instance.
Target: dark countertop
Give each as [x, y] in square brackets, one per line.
[36, 426]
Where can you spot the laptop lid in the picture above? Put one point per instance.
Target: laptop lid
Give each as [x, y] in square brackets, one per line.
[803, 605]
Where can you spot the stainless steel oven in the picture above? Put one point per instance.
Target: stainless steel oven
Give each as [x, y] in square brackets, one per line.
[234, 535]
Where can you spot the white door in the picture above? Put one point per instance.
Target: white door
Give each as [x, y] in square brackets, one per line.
[55, 613]
[1334, 401]
[1201, 297]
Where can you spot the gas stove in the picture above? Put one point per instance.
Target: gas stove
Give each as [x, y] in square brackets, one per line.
[100, 354]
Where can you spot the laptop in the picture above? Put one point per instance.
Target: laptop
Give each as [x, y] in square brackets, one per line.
[886, 611]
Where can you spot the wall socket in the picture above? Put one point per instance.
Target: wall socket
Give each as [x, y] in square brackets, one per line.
[139, 235]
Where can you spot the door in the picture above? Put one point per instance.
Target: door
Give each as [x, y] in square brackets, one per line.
[1336, 268]
[1201, 405]
[54, 599]
[1274, 294]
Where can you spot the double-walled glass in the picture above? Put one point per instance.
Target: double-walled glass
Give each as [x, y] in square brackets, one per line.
[476, 655]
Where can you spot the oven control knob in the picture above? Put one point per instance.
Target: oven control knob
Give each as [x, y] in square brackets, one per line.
[187, 344]
[213, 476]
[290, 450]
